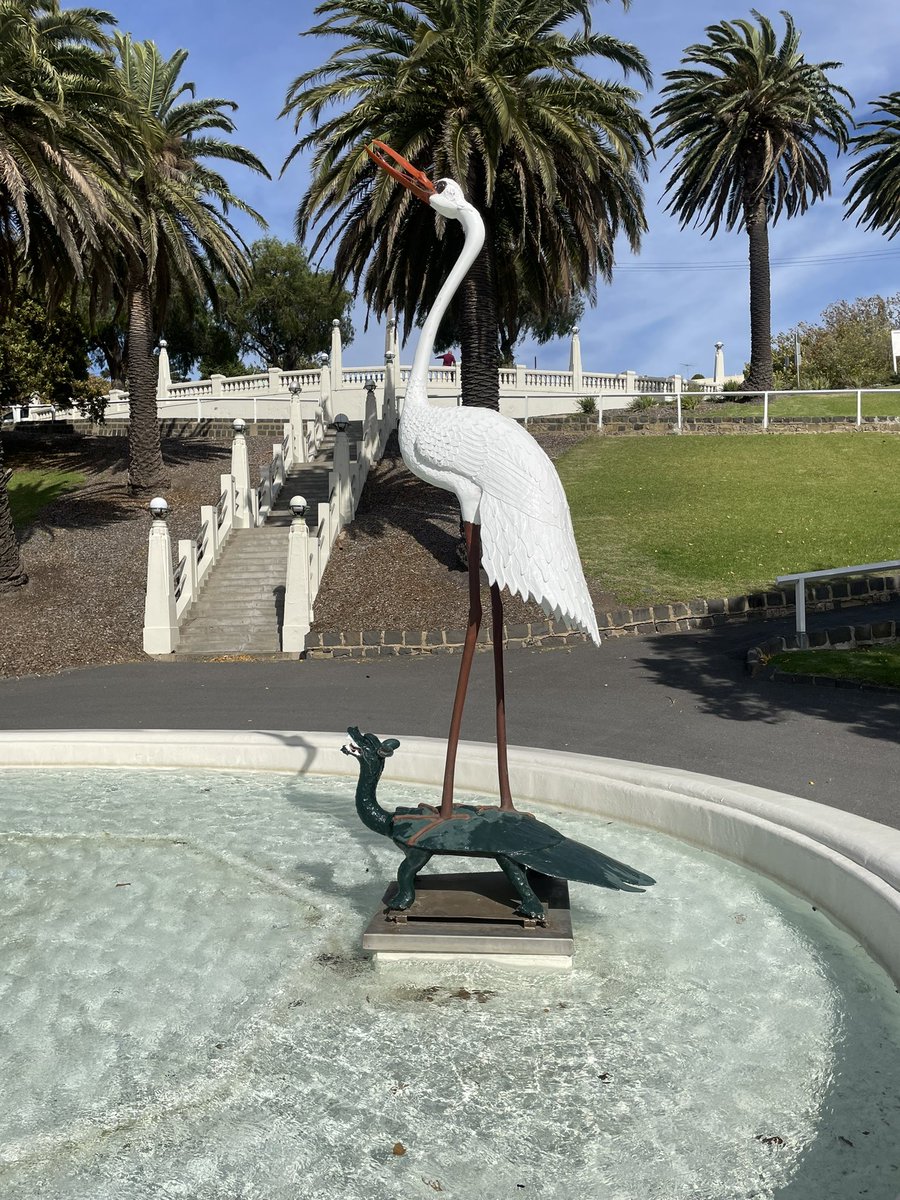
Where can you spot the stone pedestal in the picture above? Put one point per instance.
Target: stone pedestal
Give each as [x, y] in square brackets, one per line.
[471, 916]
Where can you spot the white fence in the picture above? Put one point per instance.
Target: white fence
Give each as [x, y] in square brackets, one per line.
[768, 398]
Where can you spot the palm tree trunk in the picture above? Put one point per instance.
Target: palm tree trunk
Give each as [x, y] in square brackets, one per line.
[480, 337]
[479, 334]
[12, 574]
[762, 376]
[146, 469]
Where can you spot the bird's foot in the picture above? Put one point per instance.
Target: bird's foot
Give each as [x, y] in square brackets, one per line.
[534, 912]
[400, 902]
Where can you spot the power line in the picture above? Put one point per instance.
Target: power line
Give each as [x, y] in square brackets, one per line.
[735, 265]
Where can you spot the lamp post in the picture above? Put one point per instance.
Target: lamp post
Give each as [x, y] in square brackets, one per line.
[245, 494]
[160, 622]
[297, 590]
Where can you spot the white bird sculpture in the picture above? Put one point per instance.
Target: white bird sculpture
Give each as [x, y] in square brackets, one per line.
[514, 511]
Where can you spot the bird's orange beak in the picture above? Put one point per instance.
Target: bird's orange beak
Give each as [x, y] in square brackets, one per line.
[404, 172]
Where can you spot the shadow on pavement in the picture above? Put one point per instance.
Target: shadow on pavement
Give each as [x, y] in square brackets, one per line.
[711, 667]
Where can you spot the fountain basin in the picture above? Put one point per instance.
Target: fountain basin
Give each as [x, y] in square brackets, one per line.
[187, 989]
[844, 864]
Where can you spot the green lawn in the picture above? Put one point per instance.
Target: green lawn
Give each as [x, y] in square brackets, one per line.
[673, 518]
[30, 491]
[879, 664]
[803, 404]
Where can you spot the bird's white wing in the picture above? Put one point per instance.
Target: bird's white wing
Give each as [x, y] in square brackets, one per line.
[526, 530]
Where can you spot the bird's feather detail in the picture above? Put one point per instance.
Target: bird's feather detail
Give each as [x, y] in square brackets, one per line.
[507, 484]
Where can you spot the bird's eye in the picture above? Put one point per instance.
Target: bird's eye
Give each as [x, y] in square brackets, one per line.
[440, 185]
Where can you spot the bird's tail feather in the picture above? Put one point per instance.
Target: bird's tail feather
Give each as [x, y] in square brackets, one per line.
[573, 860]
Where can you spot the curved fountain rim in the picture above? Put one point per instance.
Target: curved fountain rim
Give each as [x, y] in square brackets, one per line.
[845, 864]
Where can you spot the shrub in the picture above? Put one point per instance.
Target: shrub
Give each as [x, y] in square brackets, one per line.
[642, 403]
[690, 402]
[587, 404]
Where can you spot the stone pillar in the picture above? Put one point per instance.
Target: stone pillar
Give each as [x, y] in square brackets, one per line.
[719, 368]
[164, 377]
[160, 623]
[298, 440]
[342, 470]
[297, 599]
[575, 363]
[245, 493]
[631, 387]
[337, 366]
[325, 381]
[276, 384]
[217, 390]
[389, 409]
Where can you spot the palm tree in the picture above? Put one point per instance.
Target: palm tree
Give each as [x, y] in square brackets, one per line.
[498, 97]
[876, 189]
[63, 125]
[182, 234]
[744, 116]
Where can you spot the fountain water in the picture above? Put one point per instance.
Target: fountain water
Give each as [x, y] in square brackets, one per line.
[186, 1012]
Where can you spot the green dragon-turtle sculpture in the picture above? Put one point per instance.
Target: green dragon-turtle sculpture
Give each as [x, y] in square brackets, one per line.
[516, 840]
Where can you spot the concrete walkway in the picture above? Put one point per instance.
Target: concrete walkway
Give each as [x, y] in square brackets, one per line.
[677, 700]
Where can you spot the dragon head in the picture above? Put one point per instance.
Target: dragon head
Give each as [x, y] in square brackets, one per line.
[369, 749]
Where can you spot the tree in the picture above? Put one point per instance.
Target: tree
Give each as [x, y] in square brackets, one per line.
[41, 354]
[875, 194]
[744, 116]
[182, 234]
[497, 97]
[64, 125]
[849, 347]
[283, 315]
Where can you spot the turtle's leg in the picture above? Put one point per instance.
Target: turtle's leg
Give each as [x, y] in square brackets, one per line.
[529, 905]
[412, 864]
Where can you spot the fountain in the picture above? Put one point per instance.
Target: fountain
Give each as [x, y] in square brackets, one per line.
[186, 1010]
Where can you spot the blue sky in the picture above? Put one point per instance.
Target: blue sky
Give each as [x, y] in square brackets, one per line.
[657, 316]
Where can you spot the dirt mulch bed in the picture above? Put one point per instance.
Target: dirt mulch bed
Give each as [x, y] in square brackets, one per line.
[86, 554]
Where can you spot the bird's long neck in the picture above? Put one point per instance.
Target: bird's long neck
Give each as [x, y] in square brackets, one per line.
[417, 386]
[370, 811]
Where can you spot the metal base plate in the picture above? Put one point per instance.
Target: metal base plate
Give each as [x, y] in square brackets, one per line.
[473, 914]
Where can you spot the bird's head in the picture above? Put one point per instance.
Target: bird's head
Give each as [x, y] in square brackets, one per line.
[369, 749]
[445, 197]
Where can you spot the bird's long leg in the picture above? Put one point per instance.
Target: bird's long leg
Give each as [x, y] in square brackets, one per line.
[473, 550]
[499, 692]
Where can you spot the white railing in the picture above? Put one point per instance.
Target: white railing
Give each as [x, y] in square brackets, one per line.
[308, 552]
[677, 398]
[171, 592]
[799, 581]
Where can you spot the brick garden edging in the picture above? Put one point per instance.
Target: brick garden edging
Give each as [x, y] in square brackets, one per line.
[621, 622]
[841, 637]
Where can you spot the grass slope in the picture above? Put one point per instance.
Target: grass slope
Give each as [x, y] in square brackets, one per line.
[879, 665]
[661, 519]
[30, 491]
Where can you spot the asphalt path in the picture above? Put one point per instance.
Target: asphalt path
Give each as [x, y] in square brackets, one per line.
[680, 700]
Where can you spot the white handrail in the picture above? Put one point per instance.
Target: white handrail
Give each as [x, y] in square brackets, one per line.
[799, 582]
